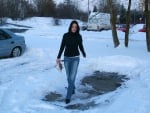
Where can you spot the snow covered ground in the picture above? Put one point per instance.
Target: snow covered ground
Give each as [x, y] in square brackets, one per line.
[24, 81]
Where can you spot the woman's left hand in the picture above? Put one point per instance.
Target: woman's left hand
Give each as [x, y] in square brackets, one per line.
[84, 55]
[58, 61]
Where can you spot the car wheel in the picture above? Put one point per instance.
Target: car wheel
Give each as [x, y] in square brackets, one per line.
[16, 52]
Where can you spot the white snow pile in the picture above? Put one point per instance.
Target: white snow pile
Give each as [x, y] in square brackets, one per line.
[24, 81]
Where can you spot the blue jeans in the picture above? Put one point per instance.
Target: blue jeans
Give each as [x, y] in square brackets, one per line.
[71, 66]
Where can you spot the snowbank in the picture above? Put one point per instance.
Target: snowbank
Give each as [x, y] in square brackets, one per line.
[25, 80]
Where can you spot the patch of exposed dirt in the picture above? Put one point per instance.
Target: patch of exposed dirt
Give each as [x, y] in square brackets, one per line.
[92, 85]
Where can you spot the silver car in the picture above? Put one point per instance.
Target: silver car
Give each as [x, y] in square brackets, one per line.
[11, 44]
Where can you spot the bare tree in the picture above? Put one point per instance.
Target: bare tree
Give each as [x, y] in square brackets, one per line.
[113, 23]
[13, 8]
[16, 9]
[45, 7]
[127, 24]
[69, 10]
[1, 13]
[147, 15]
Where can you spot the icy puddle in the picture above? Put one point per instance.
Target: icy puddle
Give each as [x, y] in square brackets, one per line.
[99, 83]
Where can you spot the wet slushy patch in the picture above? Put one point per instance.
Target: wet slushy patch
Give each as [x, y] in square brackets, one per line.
[102, 82]
[92, 85]
[53, 96]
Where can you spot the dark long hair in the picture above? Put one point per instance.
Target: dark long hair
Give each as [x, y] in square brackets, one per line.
[71, 24]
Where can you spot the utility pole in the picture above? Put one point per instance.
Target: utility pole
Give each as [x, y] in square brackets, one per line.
[88, 7]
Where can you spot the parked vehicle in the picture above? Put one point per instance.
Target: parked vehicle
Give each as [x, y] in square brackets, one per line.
[11, 44]
[98, 21]
[143, 29]
[122, 27]
[136, 28]
[84, 26]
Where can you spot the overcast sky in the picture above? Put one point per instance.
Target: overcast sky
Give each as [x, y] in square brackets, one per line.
[83, 4]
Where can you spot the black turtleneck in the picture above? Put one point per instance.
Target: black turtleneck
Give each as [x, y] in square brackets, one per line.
[71, 42]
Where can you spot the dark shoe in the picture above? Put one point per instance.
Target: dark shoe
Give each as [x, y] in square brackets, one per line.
[67, 101]
[73, 92]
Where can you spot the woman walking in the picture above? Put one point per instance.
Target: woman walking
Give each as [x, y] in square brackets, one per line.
[71, 43]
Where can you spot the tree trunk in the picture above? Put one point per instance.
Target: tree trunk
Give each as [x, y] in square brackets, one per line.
[147, 15]
[113, 24]
[127, 24]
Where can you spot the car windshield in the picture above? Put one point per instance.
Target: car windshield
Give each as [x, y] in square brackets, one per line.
[3, 35]
[9, 32]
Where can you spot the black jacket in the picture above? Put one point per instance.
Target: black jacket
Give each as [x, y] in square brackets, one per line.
[71, 42]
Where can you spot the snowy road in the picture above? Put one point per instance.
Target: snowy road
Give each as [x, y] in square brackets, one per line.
[25, 80]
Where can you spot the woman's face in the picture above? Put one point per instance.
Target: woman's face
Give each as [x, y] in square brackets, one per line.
[74, 28]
